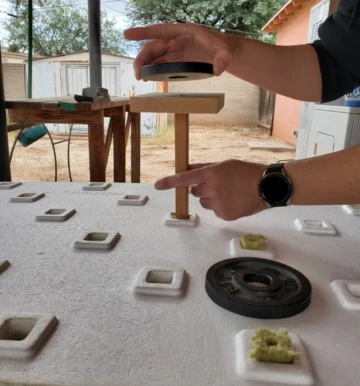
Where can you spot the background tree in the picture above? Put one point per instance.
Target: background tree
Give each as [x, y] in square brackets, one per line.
[59, 28]
[245, 17]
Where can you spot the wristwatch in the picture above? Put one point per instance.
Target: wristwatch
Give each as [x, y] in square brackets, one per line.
[275, 187]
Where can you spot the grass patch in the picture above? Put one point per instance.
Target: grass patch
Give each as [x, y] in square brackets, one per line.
[162, 137]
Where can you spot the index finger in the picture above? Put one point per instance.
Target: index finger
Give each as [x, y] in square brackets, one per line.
[181, 180]
[158, 31]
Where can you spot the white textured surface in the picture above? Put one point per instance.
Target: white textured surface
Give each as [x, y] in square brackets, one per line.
[315, 226]
[237, 251]
[107, 336]
[296, 373]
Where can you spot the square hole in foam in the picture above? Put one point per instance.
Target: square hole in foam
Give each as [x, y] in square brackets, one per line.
[133, 199]
[17, 329]
[23, 334]
[348, 293]
[27, 195]
[98, 240]
[161, 281]
[96, 236]
[354, 289]
[97, 186]
[315, 226]
[163, 277]
[352, 209]
[56, 215]
[9, 185]
[55, 212]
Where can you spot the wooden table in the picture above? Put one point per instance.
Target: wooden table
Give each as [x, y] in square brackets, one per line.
[67, 110]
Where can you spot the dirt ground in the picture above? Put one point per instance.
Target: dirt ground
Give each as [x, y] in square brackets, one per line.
[36, 162]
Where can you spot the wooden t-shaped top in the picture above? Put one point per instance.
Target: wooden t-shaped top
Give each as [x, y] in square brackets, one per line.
[177, 103]
[181, 105]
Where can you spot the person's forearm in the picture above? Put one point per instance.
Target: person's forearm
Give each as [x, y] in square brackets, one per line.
[332, 179]
[292, 71]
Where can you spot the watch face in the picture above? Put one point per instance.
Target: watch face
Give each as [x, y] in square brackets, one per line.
[275, 189]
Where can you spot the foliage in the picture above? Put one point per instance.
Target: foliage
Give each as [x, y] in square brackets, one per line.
[59, 27]
[246, 17]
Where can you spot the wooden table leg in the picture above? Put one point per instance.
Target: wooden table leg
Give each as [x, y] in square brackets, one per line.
[97, 150]
[118, 125]
[182, 162]
[135, 147]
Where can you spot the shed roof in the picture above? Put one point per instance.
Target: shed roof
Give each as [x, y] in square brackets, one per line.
[80, 52]
[287, 12]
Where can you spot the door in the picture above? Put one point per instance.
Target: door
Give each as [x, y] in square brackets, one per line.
[77, 77]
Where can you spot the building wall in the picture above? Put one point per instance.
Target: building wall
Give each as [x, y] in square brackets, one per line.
[241, 100]
[14, 80]
[287, 111]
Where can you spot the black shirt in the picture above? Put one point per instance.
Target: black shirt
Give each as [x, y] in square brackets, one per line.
[338, 50]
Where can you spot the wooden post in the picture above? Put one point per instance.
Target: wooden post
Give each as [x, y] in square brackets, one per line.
[97, 150]
[135, 147]
[182, 162]
[119, 147]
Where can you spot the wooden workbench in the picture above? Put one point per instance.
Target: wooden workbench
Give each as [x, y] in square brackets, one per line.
[67, 110]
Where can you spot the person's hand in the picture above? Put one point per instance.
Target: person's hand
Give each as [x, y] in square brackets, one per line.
[229, 188]
[182, 43]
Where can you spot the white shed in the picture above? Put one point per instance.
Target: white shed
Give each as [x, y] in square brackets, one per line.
[68, 74]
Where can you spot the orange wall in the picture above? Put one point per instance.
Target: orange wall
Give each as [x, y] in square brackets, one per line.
[287, 111]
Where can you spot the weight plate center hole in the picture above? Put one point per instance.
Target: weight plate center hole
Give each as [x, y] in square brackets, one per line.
[257, 280]
[177, 77]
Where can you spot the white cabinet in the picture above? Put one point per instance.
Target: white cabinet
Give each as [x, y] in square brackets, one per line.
[333, 128]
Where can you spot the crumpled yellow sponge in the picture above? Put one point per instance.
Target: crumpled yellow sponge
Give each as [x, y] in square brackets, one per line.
[272, 346]
[253, 241]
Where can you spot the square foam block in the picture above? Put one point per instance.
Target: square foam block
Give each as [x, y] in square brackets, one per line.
[296, 373]
[97, 186]
[348, 293]
[191, 222]
[319, 227]
[9, 185]
[237, 251]
[132, 199]
[22, 334]
[352, 209]
[27, 197]
[98, 241]
[161, 281]
[56, 215]
[4, 265]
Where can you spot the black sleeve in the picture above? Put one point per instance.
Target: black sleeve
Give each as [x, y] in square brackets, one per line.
[338, 52]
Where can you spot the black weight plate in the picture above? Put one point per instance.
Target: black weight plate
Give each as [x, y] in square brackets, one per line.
[258, 288]
[177, 71]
